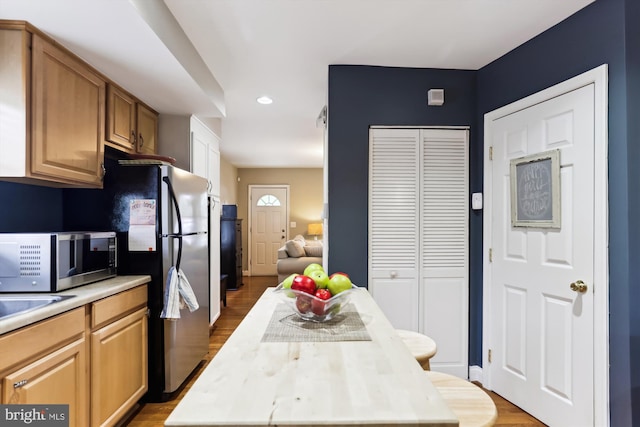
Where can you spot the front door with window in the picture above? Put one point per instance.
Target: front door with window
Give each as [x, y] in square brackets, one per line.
[268, 212]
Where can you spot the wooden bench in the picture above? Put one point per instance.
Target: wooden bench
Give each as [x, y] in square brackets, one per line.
[421, 346]
[472, 406]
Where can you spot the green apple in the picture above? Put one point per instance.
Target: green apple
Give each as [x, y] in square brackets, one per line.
[321, 278]
[286, 284]
[312, 267]
[339, 283]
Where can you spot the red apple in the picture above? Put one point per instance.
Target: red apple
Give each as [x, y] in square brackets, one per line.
[318, 306]
[303, 303]
[304, 283]
[338, 272]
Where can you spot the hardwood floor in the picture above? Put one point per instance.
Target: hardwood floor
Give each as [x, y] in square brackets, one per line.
[239, 303]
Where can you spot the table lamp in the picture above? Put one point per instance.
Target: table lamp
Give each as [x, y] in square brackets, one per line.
[314, 230]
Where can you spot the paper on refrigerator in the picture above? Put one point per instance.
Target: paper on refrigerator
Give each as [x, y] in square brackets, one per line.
[142, 225]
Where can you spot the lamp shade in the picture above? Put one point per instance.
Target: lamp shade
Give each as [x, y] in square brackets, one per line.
[314, 229]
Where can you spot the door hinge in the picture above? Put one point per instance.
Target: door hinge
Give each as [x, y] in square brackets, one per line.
[489, 356]
[490, 254]
[491, 153]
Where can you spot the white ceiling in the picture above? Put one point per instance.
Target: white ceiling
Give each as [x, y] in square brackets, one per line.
[281, 48]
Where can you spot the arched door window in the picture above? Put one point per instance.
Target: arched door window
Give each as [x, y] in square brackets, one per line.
[268, 200]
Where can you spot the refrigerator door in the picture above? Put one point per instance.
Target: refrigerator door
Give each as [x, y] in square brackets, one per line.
[186, 340]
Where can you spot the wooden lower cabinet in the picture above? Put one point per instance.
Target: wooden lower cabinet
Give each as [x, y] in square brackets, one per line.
[58, 378]
[46, 363]
[118, 368]
[93, 358]
[118, 355]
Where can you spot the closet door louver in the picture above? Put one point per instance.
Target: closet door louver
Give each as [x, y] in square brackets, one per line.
[394, 201]
[444, 199]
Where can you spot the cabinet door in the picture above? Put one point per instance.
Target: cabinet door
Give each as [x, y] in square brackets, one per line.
[214, 170]
[121, 119]
[205, 155]
[118, 367]
[68, 123]
[147, 130]
[199, 155]
[58, 378]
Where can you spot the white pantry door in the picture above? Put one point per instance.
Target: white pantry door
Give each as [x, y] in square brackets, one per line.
[418, 236]
[269, 213]
[542, 329]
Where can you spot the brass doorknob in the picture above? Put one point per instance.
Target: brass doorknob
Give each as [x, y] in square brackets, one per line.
[579, 286]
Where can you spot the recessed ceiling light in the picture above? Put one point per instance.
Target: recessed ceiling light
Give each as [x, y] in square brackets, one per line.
[264, 100]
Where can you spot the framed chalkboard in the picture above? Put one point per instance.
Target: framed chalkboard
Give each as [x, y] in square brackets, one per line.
[535, 190]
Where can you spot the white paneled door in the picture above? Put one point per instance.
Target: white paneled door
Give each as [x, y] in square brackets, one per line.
[542, 317]
[418, 236]
[269, 208]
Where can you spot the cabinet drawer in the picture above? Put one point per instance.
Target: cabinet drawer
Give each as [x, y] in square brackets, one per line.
[32, 341]
[108, 309]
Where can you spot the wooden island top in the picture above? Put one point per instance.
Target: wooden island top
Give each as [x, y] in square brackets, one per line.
[373, 381]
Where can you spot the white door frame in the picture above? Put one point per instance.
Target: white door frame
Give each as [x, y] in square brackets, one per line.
[598, 77]
[285, 187]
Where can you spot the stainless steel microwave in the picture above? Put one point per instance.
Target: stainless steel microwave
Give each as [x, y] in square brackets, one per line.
[51, 262]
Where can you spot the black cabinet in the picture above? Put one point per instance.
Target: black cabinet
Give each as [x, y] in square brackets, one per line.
[231, 251]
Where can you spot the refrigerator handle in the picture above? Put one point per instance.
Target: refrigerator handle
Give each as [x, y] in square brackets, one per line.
[177, 207]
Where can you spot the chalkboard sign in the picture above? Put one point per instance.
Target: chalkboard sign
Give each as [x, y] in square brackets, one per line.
[535, 190]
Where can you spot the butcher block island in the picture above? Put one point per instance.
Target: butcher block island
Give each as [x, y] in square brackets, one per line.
[278, 369]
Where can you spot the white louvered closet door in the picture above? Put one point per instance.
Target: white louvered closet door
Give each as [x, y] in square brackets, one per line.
[419, 184]
[394, 196]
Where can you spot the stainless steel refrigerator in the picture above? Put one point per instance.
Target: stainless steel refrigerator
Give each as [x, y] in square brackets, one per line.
[176, 347]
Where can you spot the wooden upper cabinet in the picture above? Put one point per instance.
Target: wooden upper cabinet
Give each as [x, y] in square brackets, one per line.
[121, 118]
[131, 126]
[68, 100]
[147, 130]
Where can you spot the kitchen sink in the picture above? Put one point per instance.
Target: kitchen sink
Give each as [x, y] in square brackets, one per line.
[18, 304]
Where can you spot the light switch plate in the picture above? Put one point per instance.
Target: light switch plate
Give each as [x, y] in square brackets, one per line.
[293, 224]
[476, 201]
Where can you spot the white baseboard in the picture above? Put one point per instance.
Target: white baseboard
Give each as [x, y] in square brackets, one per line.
[475, 373]
[245, 273]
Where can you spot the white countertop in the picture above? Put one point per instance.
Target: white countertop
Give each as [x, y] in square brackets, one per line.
[82, 295]
[344, 383]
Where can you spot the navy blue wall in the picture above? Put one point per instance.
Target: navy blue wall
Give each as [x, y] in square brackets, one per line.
[29, 208]
[632, 15]
[589, 38]
[362, 96]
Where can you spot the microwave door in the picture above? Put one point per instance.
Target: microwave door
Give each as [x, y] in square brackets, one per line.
[73, 262]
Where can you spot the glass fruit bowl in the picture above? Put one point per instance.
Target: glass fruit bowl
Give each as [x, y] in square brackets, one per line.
[310, 307]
